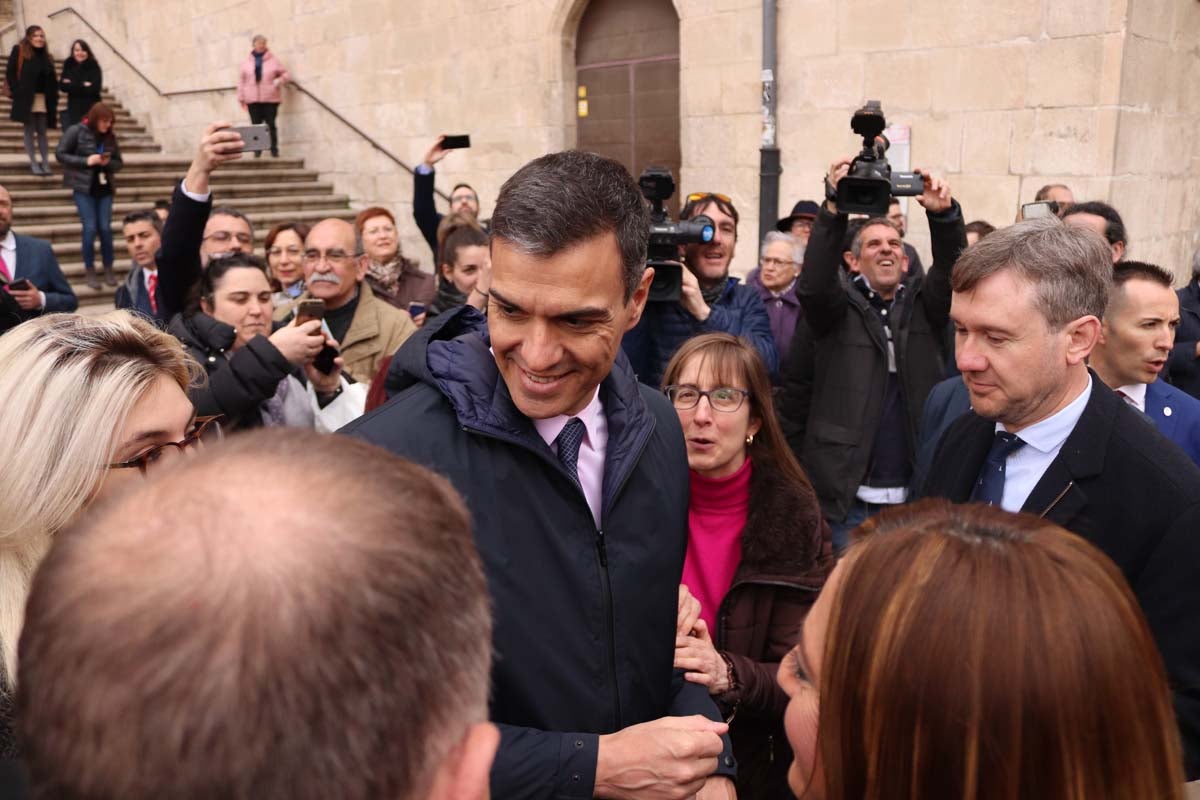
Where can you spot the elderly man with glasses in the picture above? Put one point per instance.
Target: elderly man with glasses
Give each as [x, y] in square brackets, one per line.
[368, 329]
[710, 300]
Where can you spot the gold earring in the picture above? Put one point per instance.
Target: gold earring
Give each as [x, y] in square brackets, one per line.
[750, 440]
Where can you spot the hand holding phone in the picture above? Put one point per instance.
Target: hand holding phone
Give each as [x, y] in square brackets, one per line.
[458, 142]
[310, 310]
[21, 285]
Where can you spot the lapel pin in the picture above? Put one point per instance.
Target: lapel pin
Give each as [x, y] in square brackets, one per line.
[1166, 411]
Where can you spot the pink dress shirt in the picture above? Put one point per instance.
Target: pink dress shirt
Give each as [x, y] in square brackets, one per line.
[591, 452]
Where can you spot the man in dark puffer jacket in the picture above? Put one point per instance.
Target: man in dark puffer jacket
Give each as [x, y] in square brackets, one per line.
[576, 478]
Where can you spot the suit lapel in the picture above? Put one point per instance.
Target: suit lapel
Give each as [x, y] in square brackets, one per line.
[23, 267]
[1156, 401]
[1058, 495]
[966, 455]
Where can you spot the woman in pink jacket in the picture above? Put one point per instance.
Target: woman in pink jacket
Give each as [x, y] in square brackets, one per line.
[261, 78]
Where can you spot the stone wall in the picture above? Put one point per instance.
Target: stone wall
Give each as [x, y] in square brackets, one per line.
[1103, 95]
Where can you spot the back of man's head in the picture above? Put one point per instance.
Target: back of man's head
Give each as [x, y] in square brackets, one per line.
[1069, 269]
[285, 616]
[564, 199]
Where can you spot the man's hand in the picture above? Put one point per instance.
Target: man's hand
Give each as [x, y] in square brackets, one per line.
[218, 145]
[435, 153]
[702, 664]
[665, 759]
[322, 383]
[718, 787]
[690, 297]
[299, 344]
[29, 299]
[937, 193]
[687, 612]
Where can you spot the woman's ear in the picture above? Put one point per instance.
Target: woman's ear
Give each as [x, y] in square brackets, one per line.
[206, 306]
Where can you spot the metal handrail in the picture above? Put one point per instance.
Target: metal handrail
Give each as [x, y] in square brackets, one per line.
[299, 87]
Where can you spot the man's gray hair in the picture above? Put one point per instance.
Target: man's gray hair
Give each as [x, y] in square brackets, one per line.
[1070, 268]
[777, 236]
[563, 199]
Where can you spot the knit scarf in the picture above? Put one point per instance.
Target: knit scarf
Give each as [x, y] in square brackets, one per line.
[387, 276]
[712, 294]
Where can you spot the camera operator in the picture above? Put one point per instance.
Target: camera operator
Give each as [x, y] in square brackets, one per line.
[851, 408]
[710, 300]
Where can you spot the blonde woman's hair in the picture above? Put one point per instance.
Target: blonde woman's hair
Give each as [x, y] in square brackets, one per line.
[67, 384]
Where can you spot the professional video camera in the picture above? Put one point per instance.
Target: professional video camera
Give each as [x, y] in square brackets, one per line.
[666, 237]
[871, 183]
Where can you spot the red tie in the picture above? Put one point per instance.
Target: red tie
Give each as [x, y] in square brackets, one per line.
[152, 286]
[4, 273]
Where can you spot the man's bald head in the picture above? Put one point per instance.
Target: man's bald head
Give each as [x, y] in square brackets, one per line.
[333, 262]
[286, 615]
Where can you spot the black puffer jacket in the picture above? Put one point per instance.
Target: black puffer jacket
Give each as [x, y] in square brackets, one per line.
[237, 385]
[77, 145]
[584, 629]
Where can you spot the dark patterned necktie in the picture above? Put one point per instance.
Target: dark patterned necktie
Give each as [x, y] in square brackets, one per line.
[568, 441]
[990, 486]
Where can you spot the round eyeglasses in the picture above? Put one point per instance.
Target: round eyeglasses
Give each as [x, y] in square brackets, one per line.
[723, 398]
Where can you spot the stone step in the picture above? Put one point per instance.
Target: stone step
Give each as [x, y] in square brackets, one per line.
[36, 217]
[142, 195]
[163, 181]
[17, 135]
[68, 247]
[68, 234]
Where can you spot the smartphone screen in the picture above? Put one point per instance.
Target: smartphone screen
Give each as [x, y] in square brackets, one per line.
[456, 142]
[1041, 209]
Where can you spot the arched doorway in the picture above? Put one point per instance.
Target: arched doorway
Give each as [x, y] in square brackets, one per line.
[627, 83]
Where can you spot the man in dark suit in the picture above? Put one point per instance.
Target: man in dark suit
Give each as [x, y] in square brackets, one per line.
[1045, 436]
[23, 258]
[1136, 338]
[1183, 368]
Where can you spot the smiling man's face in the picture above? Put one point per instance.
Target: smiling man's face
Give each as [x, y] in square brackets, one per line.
[556, 322]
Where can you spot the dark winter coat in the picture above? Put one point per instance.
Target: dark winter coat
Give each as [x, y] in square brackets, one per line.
[783, 312]
[787, 554]
[834, 388]
[666, 326]
[584, 627]
[132, 294]
[1183, 368]
[80, 98]
[237, 385]
[35, 75]
[76, 146]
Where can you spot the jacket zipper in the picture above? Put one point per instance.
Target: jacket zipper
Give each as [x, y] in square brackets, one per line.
[601, 554]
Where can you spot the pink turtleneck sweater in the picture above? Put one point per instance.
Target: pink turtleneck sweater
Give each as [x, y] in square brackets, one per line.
[716, 518]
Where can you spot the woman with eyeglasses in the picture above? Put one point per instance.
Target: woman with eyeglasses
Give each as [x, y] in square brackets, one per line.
[258, 375]
[758, 551]
[780, 259]
[90, 404]
[285, 257]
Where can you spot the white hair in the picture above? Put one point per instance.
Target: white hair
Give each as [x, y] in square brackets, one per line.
[777, 236]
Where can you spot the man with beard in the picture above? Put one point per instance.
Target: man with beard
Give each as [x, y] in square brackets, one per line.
[29, 273]
[710, 300]
[1135, 342]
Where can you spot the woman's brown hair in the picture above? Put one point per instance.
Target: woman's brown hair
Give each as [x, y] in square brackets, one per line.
[975, 654]
[298, 228]
[735, 362]
[95, 115]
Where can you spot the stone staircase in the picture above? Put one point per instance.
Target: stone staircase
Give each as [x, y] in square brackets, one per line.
[268, 190]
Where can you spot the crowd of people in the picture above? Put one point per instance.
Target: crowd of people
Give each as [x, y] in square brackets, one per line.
[301, 519]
